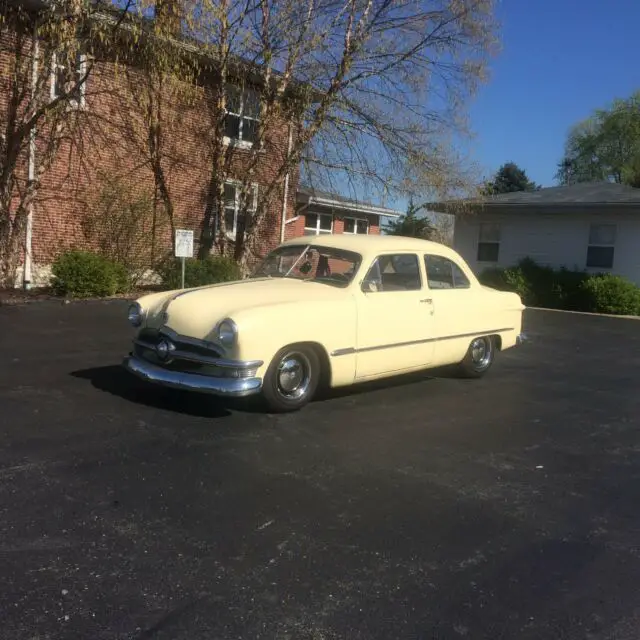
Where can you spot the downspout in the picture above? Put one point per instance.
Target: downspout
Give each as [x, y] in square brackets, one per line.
[283, 220]
[31, 170]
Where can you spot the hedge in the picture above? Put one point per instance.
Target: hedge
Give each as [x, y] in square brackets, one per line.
[82, 274]
[199, 272]
[543, 286]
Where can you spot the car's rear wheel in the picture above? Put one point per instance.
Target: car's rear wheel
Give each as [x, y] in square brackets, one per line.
[479, 357]
[292, 378]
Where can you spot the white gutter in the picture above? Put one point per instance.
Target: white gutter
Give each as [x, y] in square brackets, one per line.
[350, 206]
[31, 161]
[283, 220]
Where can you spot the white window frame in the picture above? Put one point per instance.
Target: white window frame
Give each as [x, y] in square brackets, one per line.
[239, 142]
[81, 70]
[318, 231]
[491, 242]
[356, 221]
[600, 245]
[231, 233]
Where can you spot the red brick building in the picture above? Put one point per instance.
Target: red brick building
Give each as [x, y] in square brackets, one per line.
[111, 146]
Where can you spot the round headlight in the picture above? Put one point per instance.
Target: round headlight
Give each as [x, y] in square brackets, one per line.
[227, 332]
[135, 314]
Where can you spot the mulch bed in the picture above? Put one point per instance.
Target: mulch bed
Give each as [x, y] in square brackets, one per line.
[20, 296]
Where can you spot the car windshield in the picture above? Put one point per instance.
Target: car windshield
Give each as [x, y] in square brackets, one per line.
[310, 262]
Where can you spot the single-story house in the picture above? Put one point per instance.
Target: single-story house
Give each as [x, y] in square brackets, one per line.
[593, 227]
[322, 212]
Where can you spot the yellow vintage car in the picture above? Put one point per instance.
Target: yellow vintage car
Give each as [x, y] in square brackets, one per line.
[325, 310]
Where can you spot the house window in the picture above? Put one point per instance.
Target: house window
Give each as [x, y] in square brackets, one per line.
[488, 242]
[243, 113]
[232, 205]
[317, 223]
[443, 273]
[602, 240]
[356, 225]
[68, 74]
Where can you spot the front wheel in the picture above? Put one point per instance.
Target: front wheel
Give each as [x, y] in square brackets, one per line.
[479, 357]
[291, 379]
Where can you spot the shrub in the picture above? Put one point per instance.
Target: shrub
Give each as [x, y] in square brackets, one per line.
[605, 293]
[123, 225]
[198, 273]
[512, 279]
[82, 274]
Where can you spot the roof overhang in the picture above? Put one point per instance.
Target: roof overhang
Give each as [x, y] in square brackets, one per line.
[351, 206]
[461, 208]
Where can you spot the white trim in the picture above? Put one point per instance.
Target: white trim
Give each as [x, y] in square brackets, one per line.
[81, 70]
[239, 141]
[601, 246]
[355, 226]
[318, 231]
[352, 206]
[231, 234]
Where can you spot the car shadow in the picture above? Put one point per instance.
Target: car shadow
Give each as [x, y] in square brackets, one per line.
[115, 380]
[400, 380]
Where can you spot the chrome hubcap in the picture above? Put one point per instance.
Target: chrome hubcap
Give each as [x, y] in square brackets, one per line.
[481, 352]
[293, 375]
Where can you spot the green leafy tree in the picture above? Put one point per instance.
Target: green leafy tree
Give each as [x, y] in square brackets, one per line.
[411, 225]
[508, 179]
[605, 146]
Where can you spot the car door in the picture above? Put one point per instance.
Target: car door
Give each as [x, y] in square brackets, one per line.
[456, 310]
[394, 318]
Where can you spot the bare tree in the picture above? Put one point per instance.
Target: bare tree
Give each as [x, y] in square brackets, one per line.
[372, 89]
[50, 55]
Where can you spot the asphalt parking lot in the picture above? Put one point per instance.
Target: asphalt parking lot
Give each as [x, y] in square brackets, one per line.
[424, 507]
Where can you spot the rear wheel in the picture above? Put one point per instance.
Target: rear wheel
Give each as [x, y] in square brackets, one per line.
[479, 357]
[292, 378]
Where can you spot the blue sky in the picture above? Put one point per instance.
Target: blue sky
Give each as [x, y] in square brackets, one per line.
[560, 60]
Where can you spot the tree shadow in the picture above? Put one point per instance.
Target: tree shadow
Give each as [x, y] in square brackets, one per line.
[114, 379]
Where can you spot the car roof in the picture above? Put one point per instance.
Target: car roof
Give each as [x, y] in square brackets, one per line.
[365, 243]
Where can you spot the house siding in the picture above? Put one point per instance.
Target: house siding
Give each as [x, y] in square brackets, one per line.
[555, 239]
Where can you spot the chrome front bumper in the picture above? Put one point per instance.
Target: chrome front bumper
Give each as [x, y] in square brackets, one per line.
[230, 387]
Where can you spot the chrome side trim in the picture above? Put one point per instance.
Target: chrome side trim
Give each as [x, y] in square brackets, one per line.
[395, 345]
[229, 387]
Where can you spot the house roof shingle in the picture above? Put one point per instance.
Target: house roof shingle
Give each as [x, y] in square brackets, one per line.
[575, 195]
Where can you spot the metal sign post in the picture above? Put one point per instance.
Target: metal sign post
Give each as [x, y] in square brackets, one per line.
[184, 247]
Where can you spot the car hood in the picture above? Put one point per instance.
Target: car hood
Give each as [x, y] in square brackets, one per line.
[195, 312]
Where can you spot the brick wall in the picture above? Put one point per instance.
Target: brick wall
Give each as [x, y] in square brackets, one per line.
[109, 139]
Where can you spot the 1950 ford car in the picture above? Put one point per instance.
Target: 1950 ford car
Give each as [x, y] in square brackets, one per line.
[328, 310]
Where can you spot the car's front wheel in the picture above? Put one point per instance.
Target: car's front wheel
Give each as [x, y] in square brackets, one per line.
[479, 357]
[292, 378]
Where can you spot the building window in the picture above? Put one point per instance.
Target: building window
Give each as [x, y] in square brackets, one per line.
[443, 273]
[488, 242]
[602, 240]
[69, 73]
[232, 205]
[242, 115]
[317, 223]
[356, 225]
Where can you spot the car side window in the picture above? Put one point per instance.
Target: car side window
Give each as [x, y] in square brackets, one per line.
[399, 272]
[443, 273]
